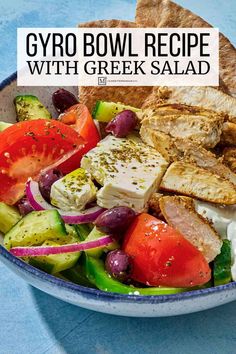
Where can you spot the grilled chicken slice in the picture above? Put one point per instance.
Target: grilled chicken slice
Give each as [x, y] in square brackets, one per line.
[162, 142]
[230, 158]
[204, 130]
[193, 181]
[201, 157]
[207, 97]
[188, 151]
[180, 213]
[228, 136]
[169, 109]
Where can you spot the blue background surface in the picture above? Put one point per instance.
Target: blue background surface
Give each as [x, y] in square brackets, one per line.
[35, 323]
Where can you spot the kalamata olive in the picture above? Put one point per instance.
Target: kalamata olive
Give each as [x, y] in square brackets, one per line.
[122, 124]
[46, 181]
[115, 220]
[63, 99]
[24, 206]
[119, 264]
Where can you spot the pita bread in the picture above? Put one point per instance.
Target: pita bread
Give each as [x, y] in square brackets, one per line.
[129, 95]
[109, 24]
[165, 13]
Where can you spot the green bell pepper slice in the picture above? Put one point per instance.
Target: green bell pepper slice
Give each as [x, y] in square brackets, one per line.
[222, 265]
[97, 275]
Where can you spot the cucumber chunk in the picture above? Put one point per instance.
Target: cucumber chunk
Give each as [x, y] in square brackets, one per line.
[106, 111]
[9, 216]
[77, 274]
[97, 252]
[28, 107]
[72, 234]
[4, 125]
[83, 230]
[35, 228]
[222, 265]
[55, 263]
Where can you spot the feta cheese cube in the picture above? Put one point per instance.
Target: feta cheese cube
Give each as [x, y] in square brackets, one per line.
[73, 191]
[128, 170]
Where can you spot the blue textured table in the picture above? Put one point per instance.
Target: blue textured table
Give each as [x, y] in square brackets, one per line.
[35, 323]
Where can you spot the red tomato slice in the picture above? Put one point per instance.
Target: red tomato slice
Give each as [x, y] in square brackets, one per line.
[79, 118]
[162, 256]
[28, 147]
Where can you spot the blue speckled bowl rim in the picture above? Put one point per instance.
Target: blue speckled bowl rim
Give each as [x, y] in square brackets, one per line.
[98, 294]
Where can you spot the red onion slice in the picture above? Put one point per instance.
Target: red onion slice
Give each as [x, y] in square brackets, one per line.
[70, 217]
[71, 248]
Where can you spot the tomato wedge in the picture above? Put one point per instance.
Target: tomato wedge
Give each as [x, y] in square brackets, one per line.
[28, 147]
[162, 256]
[79, 118]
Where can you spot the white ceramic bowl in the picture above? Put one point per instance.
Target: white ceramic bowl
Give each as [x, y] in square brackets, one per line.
[117, 304]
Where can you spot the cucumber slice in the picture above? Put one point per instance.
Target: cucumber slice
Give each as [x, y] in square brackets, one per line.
[97, 252]
[40, 264]
[9, 216]
[55, 263]
[72, 234]
[35, 228]
[106, 111]
[83, 230]
[4, 125]
[28, 107]
[77, 274]
[222, 265]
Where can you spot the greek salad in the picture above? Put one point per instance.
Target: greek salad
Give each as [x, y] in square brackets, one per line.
[85, 198]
